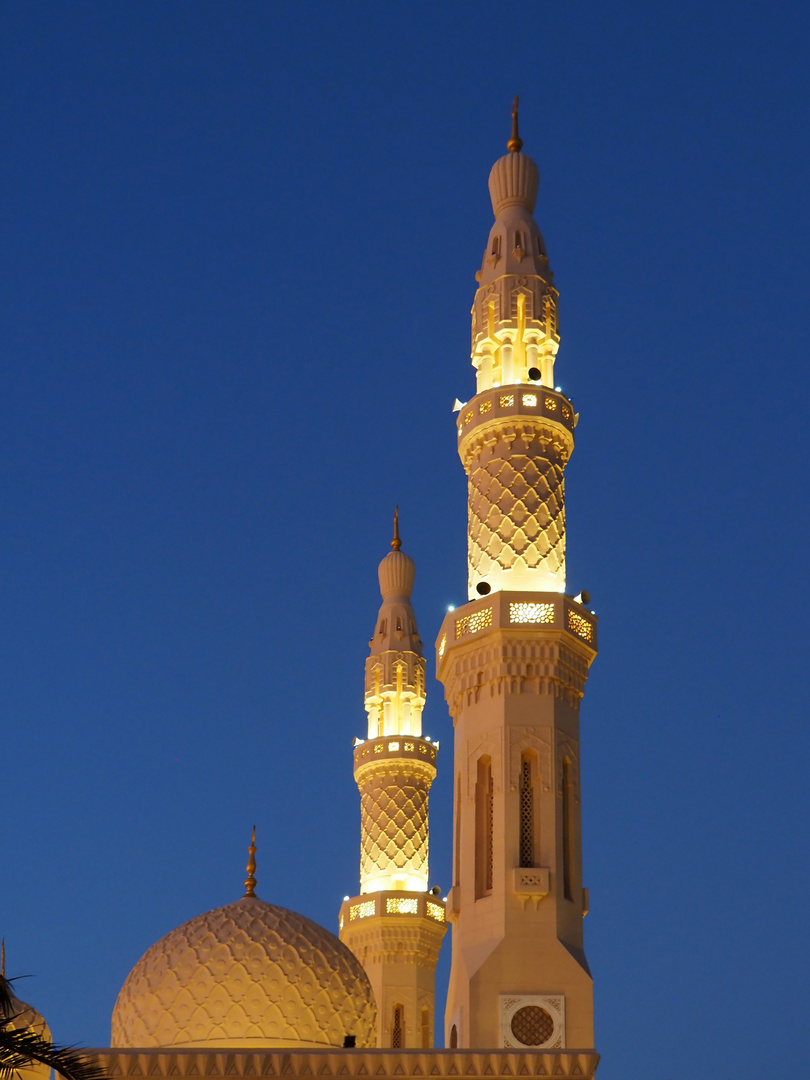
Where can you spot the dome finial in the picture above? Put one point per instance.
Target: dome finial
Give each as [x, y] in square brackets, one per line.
[515, 143]
[396, 543]
[250, 880]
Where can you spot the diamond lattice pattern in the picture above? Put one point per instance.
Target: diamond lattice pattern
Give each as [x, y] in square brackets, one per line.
[532, 1025]
[393, 824]
[516, 514]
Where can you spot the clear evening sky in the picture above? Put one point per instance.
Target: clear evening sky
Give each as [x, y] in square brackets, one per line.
[238, 247]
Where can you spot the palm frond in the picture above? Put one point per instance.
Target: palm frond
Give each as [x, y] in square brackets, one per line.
[19, 1049]
[6, 997]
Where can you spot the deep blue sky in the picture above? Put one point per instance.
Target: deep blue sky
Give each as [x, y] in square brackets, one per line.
[237, 248]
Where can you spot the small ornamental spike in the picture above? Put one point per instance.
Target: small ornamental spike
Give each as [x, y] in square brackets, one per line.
[396, 543]
[250, 880]
[515, 143]
[3, 959]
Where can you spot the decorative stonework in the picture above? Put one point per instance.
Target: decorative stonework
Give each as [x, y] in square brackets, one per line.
[488, 745]
[537, 1018]
[568, 748]
[394, 819]
[247, 972]
[441, 1064]
[529, 738]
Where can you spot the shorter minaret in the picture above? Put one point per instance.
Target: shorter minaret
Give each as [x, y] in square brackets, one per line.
[395, 926]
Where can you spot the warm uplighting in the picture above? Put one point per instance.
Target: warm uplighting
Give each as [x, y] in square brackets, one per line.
[401, 905]
[526, 612]
[471, 624]
[581, 626]
[434, 911]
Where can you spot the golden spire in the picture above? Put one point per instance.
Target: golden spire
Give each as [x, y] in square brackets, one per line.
[3, 959]
[250, 880]
[515, 143]
[396, 543]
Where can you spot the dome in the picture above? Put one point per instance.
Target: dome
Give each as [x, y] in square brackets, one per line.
[513, 181]
[247, 974]
[26, 1017]
[396, 573]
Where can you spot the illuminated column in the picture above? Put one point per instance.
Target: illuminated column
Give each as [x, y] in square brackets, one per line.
[514, 661]
[516, 436]
[395, 926]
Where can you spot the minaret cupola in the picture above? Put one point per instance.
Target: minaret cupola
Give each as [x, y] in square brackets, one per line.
[395, 668]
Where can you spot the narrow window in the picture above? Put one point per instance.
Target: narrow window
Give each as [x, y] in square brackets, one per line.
[518, 241]
[425, 1029]
[483, 829]
[526, 814]
[457, 852]
[382, 627]
[397, 1028]
[453, 1037]
[566, 829]
[496, 246]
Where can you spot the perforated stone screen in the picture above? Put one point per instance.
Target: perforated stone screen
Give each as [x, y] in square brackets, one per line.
[532, 1025]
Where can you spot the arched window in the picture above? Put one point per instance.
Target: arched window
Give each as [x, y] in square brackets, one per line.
[453, 1037]
[567, 830]
[457, 840]
[425, 1028]
[483, 829]
[398, 1028]
[526, 813]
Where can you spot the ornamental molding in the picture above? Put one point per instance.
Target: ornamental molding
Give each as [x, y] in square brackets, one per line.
[349, 1063]
[567, 748]
[528, 738]
[491, 745]
[552, 1004]
[496, 669]
[555, 441]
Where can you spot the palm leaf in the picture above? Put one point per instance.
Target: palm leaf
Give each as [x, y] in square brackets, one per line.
[21, 1048]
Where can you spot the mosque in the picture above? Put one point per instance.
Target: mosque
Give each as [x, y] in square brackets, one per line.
[252, 989]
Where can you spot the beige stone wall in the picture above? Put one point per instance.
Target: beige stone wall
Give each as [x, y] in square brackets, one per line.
[514, 667]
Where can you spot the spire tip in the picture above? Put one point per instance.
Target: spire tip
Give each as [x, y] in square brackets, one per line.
[250, 880]
[515, 143]
[396, 543]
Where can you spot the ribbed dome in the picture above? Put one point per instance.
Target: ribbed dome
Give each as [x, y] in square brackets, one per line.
[397, 574]
[513, 181]
[248, 974]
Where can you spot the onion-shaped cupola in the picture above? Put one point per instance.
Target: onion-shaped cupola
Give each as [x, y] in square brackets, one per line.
[514, 317]
[395, 668]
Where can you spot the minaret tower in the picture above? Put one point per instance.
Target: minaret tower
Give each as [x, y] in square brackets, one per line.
[514, 661]
[395, 926]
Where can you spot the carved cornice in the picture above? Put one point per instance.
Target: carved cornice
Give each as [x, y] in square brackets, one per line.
[441, 1064]
[496, 668]
[395, 939]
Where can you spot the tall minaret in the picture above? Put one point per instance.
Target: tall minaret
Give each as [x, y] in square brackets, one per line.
[395, 926]
[514, 661]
